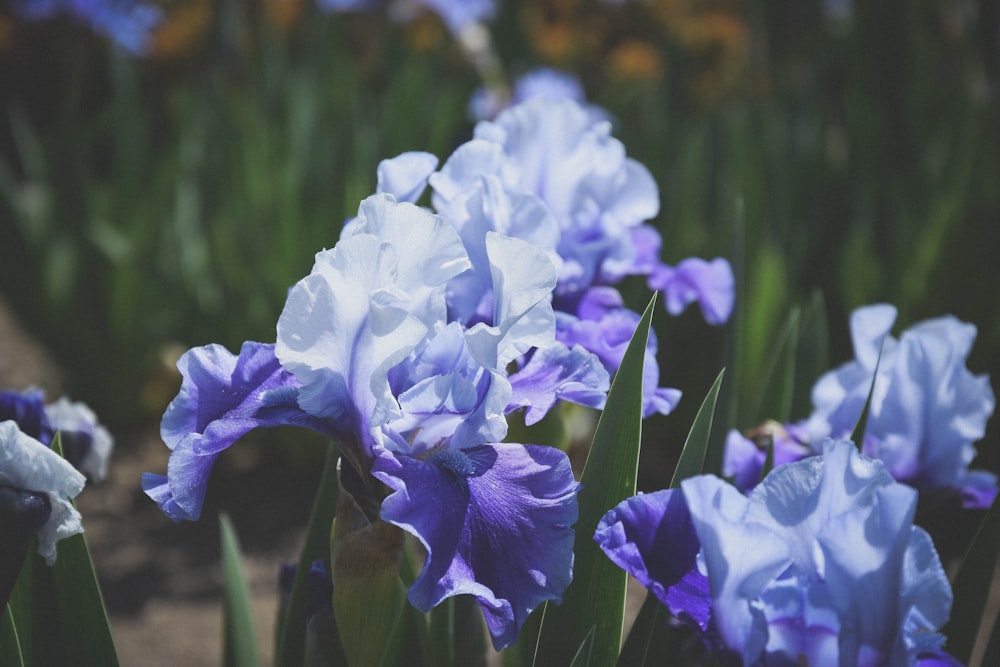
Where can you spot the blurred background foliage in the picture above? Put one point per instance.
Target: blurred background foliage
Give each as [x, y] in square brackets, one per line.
[838, 153]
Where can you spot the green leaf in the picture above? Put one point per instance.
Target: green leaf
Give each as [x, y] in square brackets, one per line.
[812, 357]
[692, 459]
[586, 650]
[596, 598]
[777, 389]
[65, 596]
[86, 631]
[971, 587]
[10, 645]
[240, 640]
[636, 647]
[861, 426]
[294, 616]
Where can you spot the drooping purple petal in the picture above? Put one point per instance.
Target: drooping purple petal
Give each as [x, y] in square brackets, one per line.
[495, 521]
[711, 284]
[558, 373]
[222, 398]
[651, 537]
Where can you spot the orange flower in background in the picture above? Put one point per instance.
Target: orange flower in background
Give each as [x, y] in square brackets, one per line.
[6, 33]
[635, 60]
[283, 14]
[425, 33]
[185, 25]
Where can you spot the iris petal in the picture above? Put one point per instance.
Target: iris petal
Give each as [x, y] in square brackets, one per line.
[495, 521]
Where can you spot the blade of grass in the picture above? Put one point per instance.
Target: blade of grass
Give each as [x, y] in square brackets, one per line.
[692, 460]
[240, 641]
[86, 632]
[971, 587]
[778, 388]
[294, 616]
[596, 598]
[10, 645]
[861, 426]
[636, 647]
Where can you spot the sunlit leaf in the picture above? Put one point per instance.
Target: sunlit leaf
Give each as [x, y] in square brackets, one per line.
[240, 642]
[692, 459]
[596, 598]
[290, 645]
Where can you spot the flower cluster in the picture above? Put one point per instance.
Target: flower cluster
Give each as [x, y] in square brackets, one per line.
[368, 353]
[927, 409]
[414, 338]
[820, 565]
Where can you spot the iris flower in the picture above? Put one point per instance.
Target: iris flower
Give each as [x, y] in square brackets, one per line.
[41, 478]
[368, 353]
[85, 442]
[820, 565]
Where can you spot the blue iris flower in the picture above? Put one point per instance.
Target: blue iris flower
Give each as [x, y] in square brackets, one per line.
[368, 351]
[927, 409]
[820, 565]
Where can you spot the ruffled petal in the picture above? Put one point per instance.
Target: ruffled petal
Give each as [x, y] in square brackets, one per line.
[711, 284]
[366, 305]
[495, 521]
[222, 398]
[28, 465]
[651, 537]
[405, 176]
[558, 373]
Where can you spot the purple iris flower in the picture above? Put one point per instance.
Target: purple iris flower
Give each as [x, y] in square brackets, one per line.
[367, 351]
[927, 408]
[27, 408]
[744, 457]
[222, 398]
[820, 565]
[604, 326]
[129, 23]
